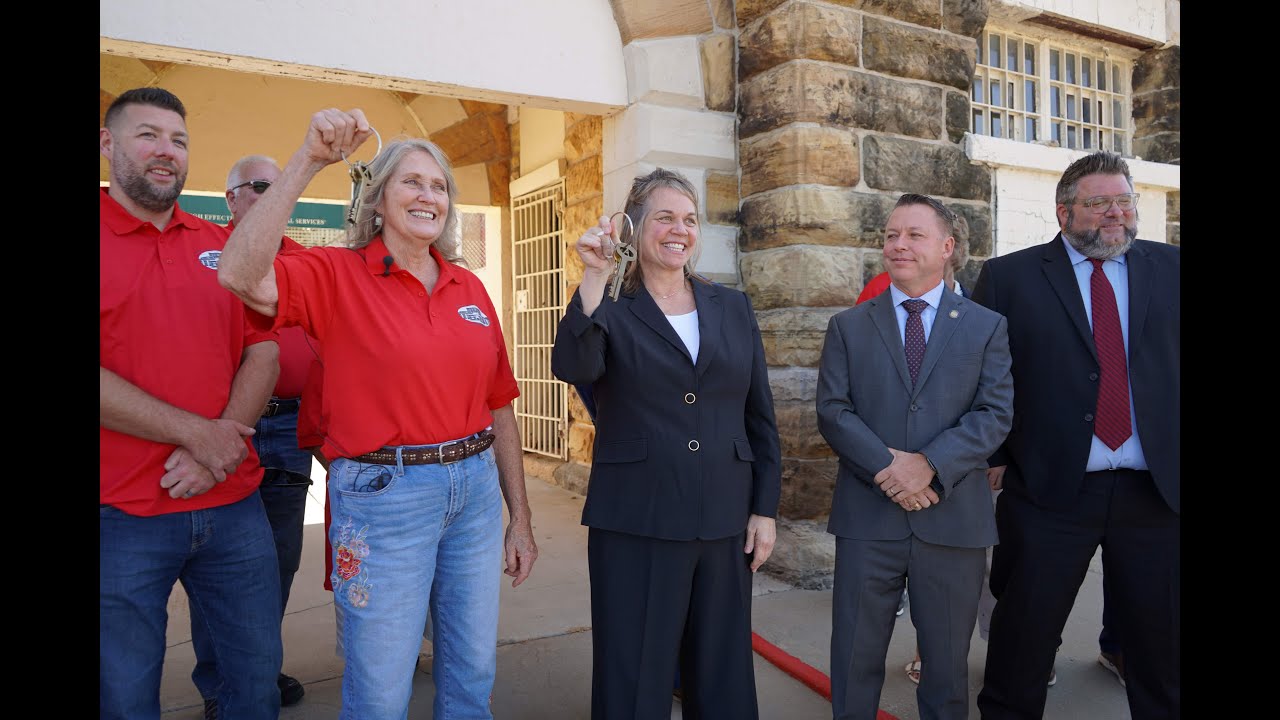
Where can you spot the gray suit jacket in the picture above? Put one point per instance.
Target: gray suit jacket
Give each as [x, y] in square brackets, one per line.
[958, 413]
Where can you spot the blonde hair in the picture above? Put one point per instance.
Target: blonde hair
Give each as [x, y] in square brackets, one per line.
[382, 168]
[638, 210]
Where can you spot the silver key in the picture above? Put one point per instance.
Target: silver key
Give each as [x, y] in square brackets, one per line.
[359, 176]
[624, 254]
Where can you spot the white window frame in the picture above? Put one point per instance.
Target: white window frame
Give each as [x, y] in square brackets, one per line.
[1067, 129]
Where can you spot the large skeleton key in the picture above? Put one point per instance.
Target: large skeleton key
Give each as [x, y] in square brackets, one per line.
[359, 176]
[624, 254]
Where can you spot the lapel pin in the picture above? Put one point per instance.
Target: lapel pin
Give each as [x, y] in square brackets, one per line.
[955, 314]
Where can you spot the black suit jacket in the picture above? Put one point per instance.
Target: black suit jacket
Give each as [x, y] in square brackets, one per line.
[1055, 367]
[682, 451]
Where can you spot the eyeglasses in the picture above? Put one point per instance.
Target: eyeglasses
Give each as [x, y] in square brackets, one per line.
[259, 186]
[1102, 203]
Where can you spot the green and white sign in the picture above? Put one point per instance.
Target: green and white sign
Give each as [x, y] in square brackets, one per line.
[314, 214]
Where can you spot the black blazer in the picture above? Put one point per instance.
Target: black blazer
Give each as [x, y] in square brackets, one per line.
[682, 451]
[1055, 367]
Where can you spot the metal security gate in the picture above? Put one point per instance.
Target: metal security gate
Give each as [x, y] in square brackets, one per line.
[538, 288]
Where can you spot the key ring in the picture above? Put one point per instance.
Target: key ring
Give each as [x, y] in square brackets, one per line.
[615, 237]
[375, 154]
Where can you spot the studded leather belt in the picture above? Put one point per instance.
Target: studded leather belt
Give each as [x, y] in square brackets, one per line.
[444, 453]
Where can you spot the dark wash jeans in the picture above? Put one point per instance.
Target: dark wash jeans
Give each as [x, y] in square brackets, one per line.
[225, 561]
[284, 495]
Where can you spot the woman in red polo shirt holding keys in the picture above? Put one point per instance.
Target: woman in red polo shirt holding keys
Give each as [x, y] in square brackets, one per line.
[417, 387]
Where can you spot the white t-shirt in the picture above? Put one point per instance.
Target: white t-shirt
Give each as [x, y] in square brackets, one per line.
[686, 326]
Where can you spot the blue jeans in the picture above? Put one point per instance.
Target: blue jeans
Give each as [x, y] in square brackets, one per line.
[276, 442]
[407, 538]
[284, 491]
[284, 495]
[225, 560]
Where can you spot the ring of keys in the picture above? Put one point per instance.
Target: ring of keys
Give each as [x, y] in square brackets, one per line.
[624, 253]
[360, 176]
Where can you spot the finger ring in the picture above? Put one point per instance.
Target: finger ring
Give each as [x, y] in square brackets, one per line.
[187, 494]
[917, 506]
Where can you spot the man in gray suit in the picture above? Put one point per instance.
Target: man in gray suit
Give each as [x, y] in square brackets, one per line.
[915, 392]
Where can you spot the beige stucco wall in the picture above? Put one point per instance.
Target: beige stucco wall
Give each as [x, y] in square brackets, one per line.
[1154, 19]
[541, 137]
[569, 50]
[1025, 177]
[232, 114]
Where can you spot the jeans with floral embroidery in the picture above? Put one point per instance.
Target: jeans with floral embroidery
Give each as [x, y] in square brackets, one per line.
[407, 538]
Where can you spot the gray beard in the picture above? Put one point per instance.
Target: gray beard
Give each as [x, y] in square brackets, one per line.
[1090, 243]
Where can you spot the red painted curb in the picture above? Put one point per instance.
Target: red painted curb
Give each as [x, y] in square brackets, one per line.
[814, 678]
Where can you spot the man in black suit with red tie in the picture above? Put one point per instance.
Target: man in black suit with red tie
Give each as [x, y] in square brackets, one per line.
[1092, 458]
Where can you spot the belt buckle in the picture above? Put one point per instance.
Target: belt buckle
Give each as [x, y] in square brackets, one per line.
[442, 446]
[271, 409]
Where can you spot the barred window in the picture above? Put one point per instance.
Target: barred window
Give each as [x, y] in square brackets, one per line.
[1040, 90]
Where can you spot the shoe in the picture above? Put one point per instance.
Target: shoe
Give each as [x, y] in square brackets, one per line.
[913, 671]
[291, 691]
[1114, 663]
[902, 604]
[211, 709]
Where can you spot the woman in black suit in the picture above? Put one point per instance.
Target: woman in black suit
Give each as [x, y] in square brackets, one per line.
[686, 473]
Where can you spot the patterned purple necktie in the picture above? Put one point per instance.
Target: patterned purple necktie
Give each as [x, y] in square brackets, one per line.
[1112, 424]
[913, 342]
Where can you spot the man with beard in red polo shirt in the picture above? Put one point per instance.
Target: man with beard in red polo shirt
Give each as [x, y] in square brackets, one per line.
[183, 378]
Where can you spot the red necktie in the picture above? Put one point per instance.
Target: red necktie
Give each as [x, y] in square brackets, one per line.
[913, 340]
[1112, 423]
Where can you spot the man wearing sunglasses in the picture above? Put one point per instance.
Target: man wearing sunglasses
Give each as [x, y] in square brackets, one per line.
[1092, 458]
[286, 467]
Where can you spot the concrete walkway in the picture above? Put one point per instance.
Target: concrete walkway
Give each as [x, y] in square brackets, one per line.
[544, 653]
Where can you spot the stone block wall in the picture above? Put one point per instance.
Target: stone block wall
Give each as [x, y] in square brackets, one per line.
[1157, 119]
[682, 94]
[1157, 105]
[681, 60]
[842, 106]
[483, 137]
[584, 204]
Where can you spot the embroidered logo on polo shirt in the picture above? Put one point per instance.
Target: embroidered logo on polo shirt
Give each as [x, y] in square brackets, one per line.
[472, 313]
[209, 258]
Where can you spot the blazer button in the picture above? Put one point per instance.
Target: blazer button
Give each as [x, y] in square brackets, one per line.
[689, 398]
[1088, 417]
[914, 407]
[694, 445]
[1093, 376]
